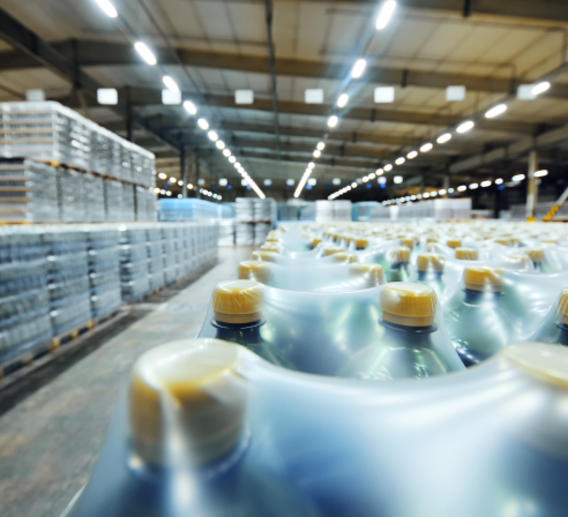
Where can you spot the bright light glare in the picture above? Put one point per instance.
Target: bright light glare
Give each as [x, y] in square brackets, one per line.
[540, 88]
[388, 167]
[379, 172]
[203, 124]
[145, 53]
[411, 155]
[495, 111]
[518, 177]
[499, 181]
[485, 183]
[220, 144]
[226, 152]
[320, 146]
[170, 83]
[473, 186]
[342, 100]
[466, 126]
[332, 121]
[541, 174]
[190, 107]
[359, 68]
[462, 188]
[400, 160]
[213, 136]
[108, 8]
[316, 153]
[427, 147]
[232, 159]
[385, 14]
[398, 180]
[442, 139]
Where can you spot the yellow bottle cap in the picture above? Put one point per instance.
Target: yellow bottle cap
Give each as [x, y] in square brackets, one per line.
[186, 402]
[408, 304]
[466, 254]
[536, 255]
[454, 243]
[272, 236]
[345, 257]
[330, 251]
[238, 301]
[267, 256]
[562, 307]
[431, 240]
[409, 243]
[271, 248]
[315, 242]
[400, 256]
[254, 270]
[480, 278]
[548, 363]
[426, 260]
[503, 242]
[361, 244]
[374, 273]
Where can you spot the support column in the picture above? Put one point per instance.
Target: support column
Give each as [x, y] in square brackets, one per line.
[197, 171]
[183, 170]
[532, 186]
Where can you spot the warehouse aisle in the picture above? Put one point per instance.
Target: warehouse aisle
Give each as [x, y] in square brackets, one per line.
[50, 440]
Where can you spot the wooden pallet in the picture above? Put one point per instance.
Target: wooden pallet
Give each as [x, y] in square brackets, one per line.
[17, 368]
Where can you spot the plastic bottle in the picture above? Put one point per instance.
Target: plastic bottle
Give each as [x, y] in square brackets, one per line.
[255, 270]
[188, 451]
[237, 309]
[478, 326]
[374, 273]
[466, 254]
[430, 270]
[555, 327]
[399, 269]
[407, 347]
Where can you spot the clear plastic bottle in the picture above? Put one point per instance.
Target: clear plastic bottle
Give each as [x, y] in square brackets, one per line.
[238, 307]
[477, 323]
[430, 271]
[407, 347]
[554, 330]
[189, 444]
[255, 270]
[399, 265]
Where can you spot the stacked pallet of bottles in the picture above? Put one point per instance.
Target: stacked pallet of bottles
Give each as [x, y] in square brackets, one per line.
[104, 273]
[82, 155]
[134, 277]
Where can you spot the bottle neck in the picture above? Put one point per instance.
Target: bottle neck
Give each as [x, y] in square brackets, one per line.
[238, 331]
[477, 297]
[414, 336]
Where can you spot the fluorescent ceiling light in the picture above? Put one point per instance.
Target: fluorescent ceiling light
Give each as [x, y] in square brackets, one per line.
[232, 159]
[385, 14]
[495, 111]
[455, 93]
[203, 124]
[442, 192]
[316, 153]
[107, 96]
[226, 152]
[466, 126]
[442, 139]
[398, 180]
[379, 172]
[354, 185]
[172, 179]
[336, 181]
[190, 107]
[180, 183]
[427, 147]
[145, 53]
[388, 167]
[290, 182]
[162, 175]
[486, 183]
[384, 94]
[541, 87]
[473, 186]
[411, 155]
[170, 98]
[541, 174]
[313, 96]
[311, 165]
[359, 68]
[518, 177]
[170, 83]
[107, 7]
[268, 182]
[220, 144]
[498, 181]
[332, 121]
[244, 96]
[320, 146]
[400, 160]
[312, 182]
[372, 176]
[462, 188]
[213, 136]
[342, 100]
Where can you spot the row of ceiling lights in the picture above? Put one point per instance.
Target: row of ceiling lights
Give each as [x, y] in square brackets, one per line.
[515, 180]
[148, 56]
[386, 12]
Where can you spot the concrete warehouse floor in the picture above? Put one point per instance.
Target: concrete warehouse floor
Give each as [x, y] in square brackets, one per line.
[52, 426]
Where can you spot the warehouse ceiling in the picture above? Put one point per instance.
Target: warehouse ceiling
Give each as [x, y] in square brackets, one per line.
[214, 47]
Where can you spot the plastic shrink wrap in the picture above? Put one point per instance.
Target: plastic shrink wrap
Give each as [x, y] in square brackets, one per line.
[208, 428]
